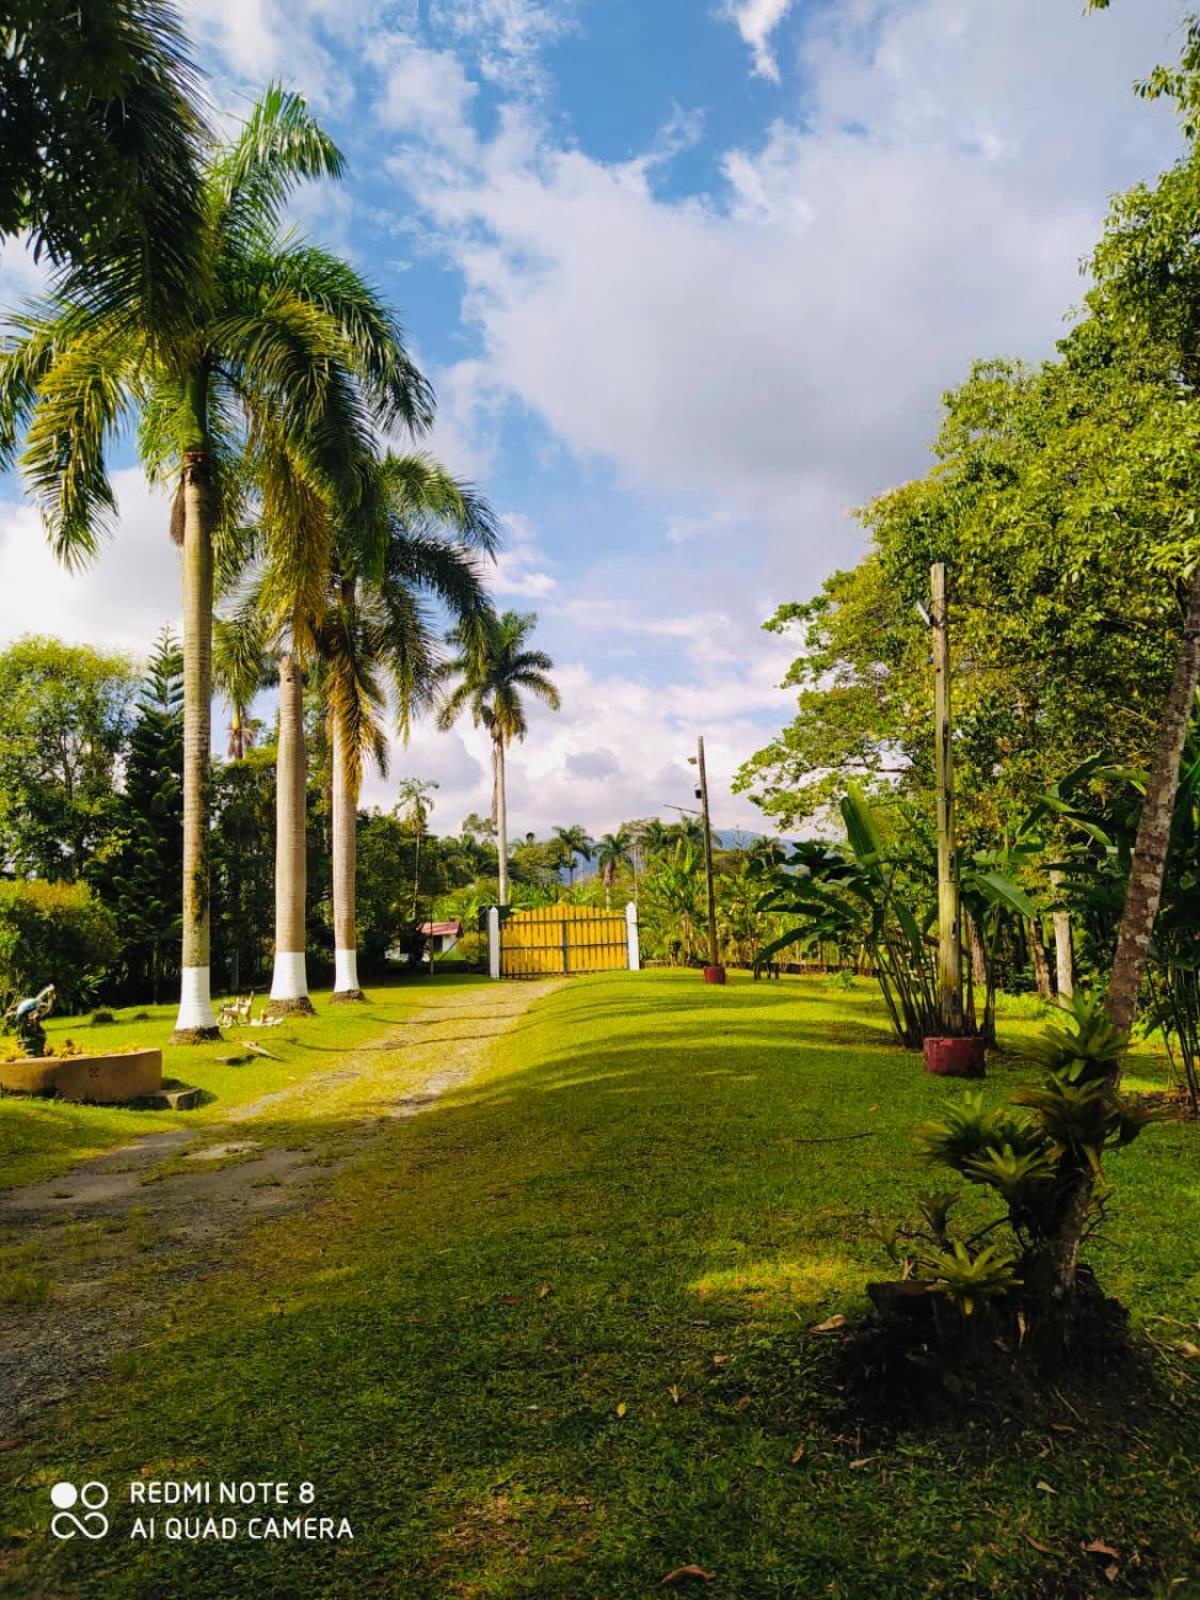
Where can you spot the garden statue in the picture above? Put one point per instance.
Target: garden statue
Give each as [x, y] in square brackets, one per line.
[27, 1017]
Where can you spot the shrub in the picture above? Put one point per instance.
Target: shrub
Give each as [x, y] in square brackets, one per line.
[1042, 1157]
[55, 933]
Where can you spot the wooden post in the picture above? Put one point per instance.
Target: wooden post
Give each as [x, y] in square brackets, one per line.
[949, 931]
[714, 954]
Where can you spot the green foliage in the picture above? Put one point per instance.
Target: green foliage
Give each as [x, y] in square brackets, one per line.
[101, 132]
[1040, 1154]
[1084, 1045]
[64, 729]
[55, 933]
[138, 871]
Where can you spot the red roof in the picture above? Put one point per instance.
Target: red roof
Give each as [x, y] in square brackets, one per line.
[431, 930]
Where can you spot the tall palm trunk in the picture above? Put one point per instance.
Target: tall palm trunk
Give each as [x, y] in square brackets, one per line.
[195, 1021]
[1143, 892]
[289, 984]
[344, 808]
[501, 817]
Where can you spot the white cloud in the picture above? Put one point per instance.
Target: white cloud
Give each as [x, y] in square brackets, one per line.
[779, 348]
[520, 567]
[426, 93]
[121, 600]
[756, 21]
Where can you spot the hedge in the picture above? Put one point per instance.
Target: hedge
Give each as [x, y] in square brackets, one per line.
[55, 933]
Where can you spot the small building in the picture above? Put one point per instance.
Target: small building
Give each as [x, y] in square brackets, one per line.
[440, 937]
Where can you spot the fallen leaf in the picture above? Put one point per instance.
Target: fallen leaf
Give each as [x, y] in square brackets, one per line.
[1097, 1547]
[543, 1291]
[1188, 1348]
[1044, 1487]
[8, 1444]
[622, 1409]
[1044, 1548]
[743, 1402]
[863, 1461]
[799, 1453]
[833, 1322]
[676, 1393]
[1062, 1427]
[690, 1571]
[509, 1299]
[720, 1361]
[1112, 1573]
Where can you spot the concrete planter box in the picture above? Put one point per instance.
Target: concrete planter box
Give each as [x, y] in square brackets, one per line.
[104, 1080]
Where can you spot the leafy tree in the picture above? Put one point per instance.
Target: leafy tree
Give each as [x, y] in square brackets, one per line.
[67, 714]
[243, 866]
[491, 673]
[55, 933]
[250, 362]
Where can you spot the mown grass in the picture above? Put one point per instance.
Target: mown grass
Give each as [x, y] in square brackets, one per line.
[41, 1138]
[551, 1339]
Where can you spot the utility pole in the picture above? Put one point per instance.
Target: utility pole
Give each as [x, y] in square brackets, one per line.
[714, 954]
[949, 930]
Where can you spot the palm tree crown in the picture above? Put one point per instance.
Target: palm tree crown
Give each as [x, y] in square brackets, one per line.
[575, 841]
[492, 669]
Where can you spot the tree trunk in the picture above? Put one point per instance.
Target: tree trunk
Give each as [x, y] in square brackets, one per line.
[344, 812]
[1143, 892]
[1037, 954]
[289, 984]
[1064, 955]
[979, 968]
[195, 1021]
[501, 819]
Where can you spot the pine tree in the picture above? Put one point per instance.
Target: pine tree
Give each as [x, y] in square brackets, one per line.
[143, 875]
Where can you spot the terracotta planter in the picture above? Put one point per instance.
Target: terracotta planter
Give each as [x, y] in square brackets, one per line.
[104, 1080]
[955, 1058]
[714, 974]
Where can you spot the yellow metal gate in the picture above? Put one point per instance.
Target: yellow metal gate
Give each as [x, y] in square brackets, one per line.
[563, 939]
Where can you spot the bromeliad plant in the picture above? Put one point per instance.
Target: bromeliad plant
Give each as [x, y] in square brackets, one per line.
[1042, 1155]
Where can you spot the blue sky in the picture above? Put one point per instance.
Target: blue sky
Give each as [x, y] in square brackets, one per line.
[690, 277]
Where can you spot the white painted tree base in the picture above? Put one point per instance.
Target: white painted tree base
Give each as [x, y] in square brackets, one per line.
[195, 1002]
[289, 980]
[345, 971]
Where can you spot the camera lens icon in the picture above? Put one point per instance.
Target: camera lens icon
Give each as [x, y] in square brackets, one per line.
[91, 1496]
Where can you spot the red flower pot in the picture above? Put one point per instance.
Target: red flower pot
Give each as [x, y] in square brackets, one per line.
[714, 974]
[955, 1058]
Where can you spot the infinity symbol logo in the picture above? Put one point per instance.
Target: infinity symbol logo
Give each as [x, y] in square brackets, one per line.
[65, 1524]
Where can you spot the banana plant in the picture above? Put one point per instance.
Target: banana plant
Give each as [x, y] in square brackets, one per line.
[878, 894]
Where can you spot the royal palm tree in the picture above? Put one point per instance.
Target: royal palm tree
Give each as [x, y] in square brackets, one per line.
[491, 673]
[613, 851]
[418, 539]
[241, 667]
[575, 841]
[414, 805]
[253, 355]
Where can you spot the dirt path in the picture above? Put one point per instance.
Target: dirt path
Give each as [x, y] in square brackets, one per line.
[119, 1235]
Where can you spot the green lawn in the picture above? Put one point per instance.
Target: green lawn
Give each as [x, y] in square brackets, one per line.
[549, 1339]
[42, 1138]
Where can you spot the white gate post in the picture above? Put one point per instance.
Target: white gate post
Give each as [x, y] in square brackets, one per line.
[631, 932]
[494, 941]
